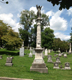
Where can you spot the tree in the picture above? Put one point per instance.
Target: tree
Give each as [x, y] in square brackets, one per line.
[63, 3]
[47, 38]
[3, 30]
[63, 45]
[26, 20]
[55, 44]
[11, 40]
[4, 2]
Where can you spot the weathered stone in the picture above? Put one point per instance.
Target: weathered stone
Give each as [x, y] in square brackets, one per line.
[7, 78]
[60, 55]
[67, 66]
[56, 65]
[0, 56]
[21, 51]
[65, 55]
[9, 61]
[59, 50]
[33, 51]
[69, 49]
[49, 58]
[58, 60]
[38, 63]
[30, 54]
[49, 51]
[61, 67]
[46, 52]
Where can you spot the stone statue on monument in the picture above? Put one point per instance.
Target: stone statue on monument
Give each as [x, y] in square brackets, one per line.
[39, 11]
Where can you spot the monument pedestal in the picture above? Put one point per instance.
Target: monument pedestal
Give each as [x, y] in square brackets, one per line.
[38, 63]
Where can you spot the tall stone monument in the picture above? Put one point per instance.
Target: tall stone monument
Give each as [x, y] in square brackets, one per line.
[70, 48]
[38, 63]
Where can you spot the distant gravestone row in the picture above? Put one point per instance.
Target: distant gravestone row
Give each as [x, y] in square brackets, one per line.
[67, 66]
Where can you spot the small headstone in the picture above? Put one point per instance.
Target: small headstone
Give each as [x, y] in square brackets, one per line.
[21, 51]
[0, 56]
[58, 60]
[67, 65]
[49, 50]
[49, 58]
[56, 66]
[46, 52]
[65, 55]
[55, 55]
[59, 50]
[60, 55]
[61, 67]
[9, 61]
[30, 54]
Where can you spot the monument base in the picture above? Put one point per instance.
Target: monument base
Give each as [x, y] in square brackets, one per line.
[50, 61]
[39, 67]
[55, 67]
[67, 68]
[8, 64]
[38, 63]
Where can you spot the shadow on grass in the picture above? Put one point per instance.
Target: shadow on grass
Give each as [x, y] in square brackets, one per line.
[12, 53]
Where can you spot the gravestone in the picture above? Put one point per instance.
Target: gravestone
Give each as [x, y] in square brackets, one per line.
[50, 59]
[46, 52]
[9, 61]
[30, 54]
[60, 55]
[22, 50]
[0, 56]
[59, 50]
[58, 60]
[55, 55]
[61, 67]
[56, 66]
[49, 50]
[67, 66]
[70, 49]
[65, 55]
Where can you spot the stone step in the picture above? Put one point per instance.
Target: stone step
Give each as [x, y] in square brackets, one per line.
[7, 78]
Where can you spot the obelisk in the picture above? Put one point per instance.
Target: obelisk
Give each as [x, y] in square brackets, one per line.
[38, 63]
[70, 49]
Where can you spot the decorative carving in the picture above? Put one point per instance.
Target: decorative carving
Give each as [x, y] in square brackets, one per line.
[39, 11]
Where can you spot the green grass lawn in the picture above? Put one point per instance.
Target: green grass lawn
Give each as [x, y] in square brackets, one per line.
[21, 67]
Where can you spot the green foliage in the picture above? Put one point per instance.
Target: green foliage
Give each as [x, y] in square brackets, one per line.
[47, 38]
[26, 20]
[63, 45]
[3, 30]
[24, 35]
[63, 3]
[45, 21]
[11, 40]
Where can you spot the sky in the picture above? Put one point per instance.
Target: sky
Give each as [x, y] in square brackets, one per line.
[60, 21]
